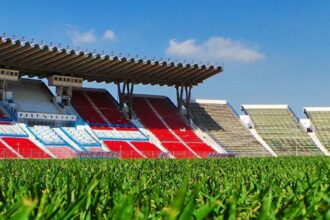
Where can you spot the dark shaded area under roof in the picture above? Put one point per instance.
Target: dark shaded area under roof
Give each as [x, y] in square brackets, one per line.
[43, 61]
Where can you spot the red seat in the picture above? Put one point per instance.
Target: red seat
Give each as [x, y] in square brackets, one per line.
[173, 119]
[26, 148]
[123, 148]
[147, 148]
[62, 152]
[178, 150]
[6, 153]
[106, 105]
[85, 109]
[94, 149]
[202, 149]
[152, 122]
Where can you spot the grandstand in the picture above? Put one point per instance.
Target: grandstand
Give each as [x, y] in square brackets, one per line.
[77, 122]
[280, 129]
[160, 116]
[219, 120]
[91, 123]
[320, 124]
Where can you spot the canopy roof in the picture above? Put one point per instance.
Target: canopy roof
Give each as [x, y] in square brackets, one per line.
[42, 61]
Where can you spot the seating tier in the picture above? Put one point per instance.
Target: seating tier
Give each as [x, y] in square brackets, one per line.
[26, 148]
[162, 119]
[12, 130]
[221, 122]
[85, 109]
[5, 153]
[282, 132]
[321, 122]
[81, 137]
[148, 149]
[123, 148]
[62, 152]
[47, 135]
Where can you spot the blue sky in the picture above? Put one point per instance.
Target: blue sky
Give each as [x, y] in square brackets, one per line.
[275, 52]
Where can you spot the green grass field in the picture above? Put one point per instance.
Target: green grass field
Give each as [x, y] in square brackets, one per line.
[272, 188]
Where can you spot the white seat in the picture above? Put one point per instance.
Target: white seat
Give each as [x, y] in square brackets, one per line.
[47, 135]
[81, 136]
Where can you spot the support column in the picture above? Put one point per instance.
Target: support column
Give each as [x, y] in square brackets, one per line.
[65, 92]
[3, 89]
[188, 97]
[183, 96]
[125, 93]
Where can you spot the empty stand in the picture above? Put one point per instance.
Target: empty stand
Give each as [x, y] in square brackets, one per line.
[281, 130]
[118, 134]
[173, 119]
[26, 148]
[12, 130]
[85, 109]
[32, 96]
[107, 106]
[159, 115]
[80, 136]
[124, 149]
[47, 135]
[320, 118]
[148, 149]
[178, 150]
[219, 120]
[6, 153]
[62, 152]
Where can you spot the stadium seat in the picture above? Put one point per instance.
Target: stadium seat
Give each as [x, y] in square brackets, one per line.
[39, 96]
[160, 117]
[282, 132]
[62, 152]
[148, 149]
[320, 119]
[85, 109]
[94, 149]
[173, 119]
[123, 148]
[81, 137]
[203, 150]
[5, 153]
[106, 105]
[220, 121]
[112, 133]
[26, 148]
[151, 121]
[178, 150]
[47, 135]
[12, 130]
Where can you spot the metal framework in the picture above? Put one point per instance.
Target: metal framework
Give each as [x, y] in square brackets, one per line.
[44, 61]
[183, 96]
[125, 94]
[3, 89]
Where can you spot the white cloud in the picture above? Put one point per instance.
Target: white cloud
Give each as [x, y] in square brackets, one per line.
[214, 49]
[109, 35]
[81, 37]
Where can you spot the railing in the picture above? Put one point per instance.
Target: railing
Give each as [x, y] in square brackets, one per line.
[30, 154]
[11, 111]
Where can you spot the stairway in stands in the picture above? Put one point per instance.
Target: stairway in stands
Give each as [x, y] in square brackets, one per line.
[160, 116]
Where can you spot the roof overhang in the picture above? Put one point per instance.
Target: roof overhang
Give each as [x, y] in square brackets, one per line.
[43, 61]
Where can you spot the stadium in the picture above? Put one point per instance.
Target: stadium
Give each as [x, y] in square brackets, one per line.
[102, 135]
[85, 122]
